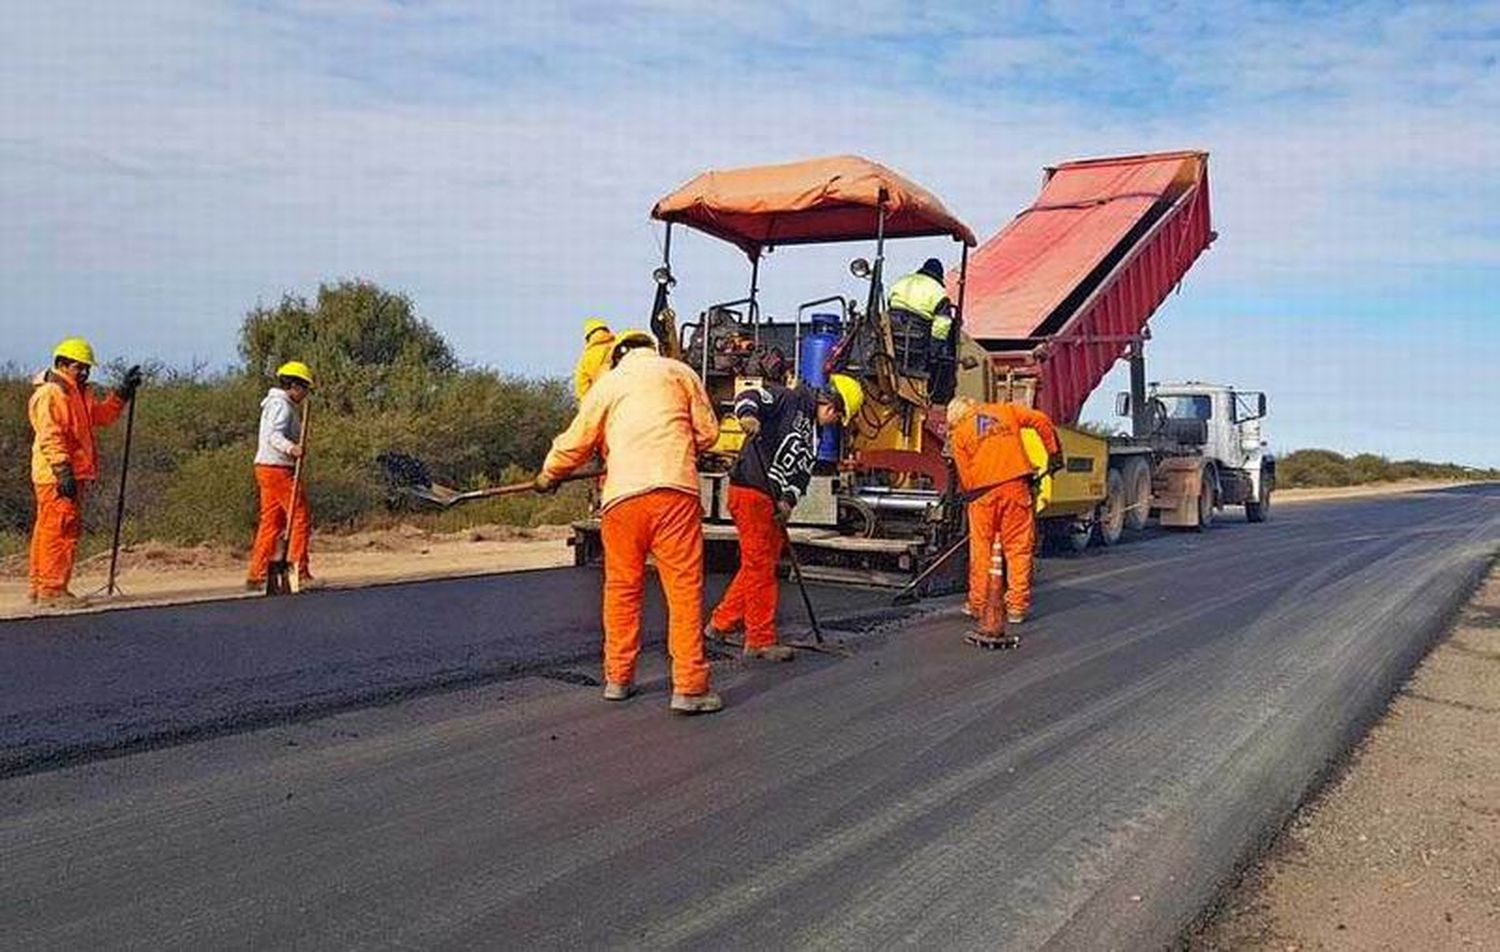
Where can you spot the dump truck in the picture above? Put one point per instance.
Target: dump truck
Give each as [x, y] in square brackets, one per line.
[1064, 292]
[1043, 311]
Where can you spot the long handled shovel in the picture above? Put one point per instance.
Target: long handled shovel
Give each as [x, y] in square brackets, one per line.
[409, 475]
[282, 577]
[110, 588]
[911, 592]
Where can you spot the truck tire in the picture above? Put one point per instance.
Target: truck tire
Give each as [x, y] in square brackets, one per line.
[1207, 500]
[1111, 519]
[1136, 476]
[1258, 510]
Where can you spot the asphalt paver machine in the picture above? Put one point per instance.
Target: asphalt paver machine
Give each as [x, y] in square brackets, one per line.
[1045, 309]
[879, 506]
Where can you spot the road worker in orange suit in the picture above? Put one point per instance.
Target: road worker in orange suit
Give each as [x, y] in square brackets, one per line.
[649, 417]
[593, 363]
[767, 481]
[995, 472]
[276, 456]
[64, 410]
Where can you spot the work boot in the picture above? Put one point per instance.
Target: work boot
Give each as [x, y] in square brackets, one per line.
[713, 634]
[618, 690]
[772, 652]
[696, 703]
[61, 601]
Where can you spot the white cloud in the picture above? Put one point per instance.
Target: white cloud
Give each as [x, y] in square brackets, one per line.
[165, 165]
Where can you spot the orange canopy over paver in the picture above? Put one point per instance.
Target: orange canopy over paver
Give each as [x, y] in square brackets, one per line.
[1019, 278]
[836, 198]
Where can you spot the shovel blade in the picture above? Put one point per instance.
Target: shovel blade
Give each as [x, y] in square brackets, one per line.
[836, 648]
[278, 578]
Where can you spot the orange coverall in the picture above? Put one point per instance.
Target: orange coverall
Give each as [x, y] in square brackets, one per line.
[650, 418]
[752, 595]
[275, 483]
[989, 454]
[63, 416]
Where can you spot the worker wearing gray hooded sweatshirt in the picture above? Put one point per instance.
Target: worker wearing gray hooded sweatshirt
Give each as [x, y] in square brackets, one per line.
[276, 458]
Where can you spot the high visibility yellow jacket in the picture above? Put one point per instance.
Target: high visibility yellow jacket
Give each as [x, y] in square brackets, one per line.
[63, 416]
[650, 418]
[593, 363]
[925, 297]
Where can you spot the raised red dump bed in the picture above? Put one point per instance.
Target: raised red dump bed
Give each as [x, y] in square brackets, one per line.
[1064, 289]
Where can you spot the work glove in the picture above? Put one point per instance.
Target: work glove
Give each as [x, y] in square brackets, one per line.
[784, 507]
[67, 485]
[750, 425]
[544, 483]
[130, 384]
[1055, 462]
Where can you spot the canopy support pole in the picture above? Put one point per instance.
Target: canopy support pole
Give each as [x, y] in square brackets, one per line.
[877, 279]
[963, 277]
[753, 309]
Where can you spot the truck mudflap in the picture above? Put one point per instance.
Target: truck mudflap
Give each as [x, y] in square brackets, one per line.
[1177, 492]
[825, 554]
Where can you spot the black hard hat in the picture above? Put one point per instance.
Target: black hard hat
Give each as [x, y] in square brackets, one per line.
[933, 268]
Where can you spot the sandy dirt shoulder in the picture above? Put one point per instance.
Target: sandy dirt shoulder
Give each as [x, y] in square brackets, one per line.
[1403, 851]
[155, 574]
[1283, 496]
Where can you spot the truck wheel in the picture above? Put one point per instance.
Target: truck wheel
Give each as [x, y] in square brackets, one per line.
[1258, 510]
[1111, 521]
[1136, 476]
[1206, 501]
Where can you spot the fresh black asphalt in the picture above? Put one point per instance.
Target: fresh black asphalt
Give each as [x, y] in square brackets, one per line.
[1172, 702]
[83, 685]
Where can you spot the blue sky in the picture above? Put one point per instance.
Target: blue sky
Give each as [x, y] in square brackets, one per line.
[165, 165]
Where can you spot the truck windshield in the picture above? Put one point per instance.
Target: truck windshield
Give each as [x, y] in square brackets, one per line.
[1193, 407]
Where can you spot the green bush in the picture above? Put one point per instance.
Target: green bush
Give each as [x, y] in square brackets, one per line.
[385, 380]
[1322, 468]
[210, 498]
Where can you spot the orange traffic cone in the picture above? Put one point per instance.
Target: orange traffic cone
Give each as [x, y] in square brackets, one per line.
[991, 631]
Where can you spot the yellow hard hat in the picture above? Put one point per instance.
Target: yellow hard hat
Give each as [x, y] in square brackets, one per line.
[76, 349]
[629, 339]
[297, 370]
[851, 394]
[593, 324]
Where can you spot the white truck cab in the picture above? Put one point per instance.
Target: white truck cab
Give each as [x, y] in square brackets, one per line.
[1224, 423]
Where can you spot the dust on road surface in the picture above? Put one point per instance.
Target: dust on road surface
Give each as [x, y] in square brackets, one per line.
[1403, 851]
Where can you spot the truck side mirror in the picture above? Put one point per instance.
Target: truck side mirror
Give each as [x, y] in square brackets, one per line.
[1261, 405]
[1122, 404]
